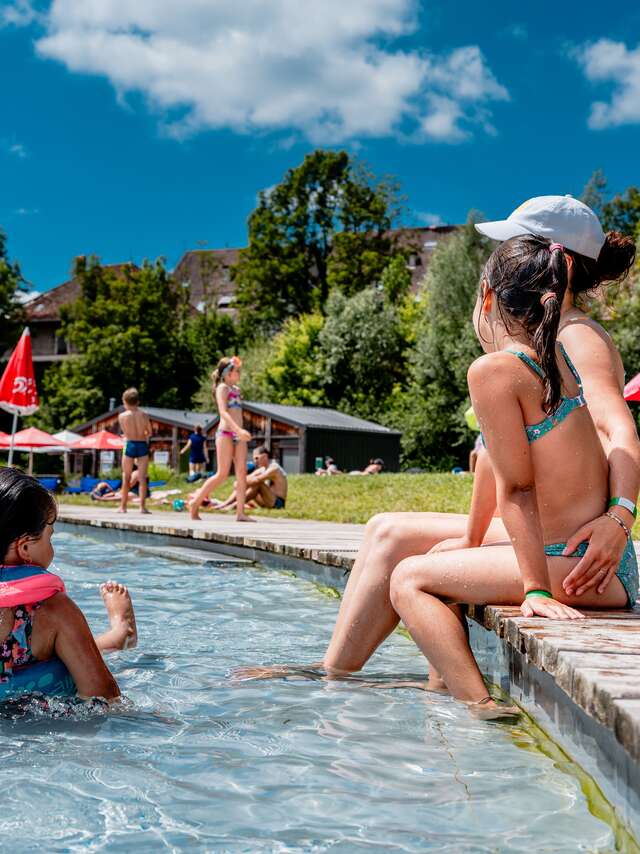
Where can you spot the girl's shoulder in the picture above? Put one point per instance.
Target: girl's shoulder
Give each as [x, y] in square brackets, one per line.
[498, 364]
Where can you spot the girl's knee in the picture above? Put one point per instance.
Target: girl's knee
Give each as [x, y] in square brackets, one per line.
[383, 528]
[404, 583]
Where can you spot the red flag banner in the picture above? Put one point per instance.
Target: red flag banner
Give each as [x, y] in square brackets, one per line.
[18, 391]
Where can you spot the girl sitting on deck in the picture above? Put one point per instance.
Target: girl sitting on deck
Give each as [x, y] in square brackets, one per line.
[38, 621]
[231, 438]
[551, 473]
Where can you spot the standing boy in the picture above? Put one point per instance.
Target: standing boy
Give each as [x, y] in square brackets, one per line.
[136, 429]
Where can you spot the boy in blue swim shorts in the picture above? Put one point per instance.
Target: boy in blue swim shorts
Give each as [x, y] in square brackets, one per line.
[136, 430]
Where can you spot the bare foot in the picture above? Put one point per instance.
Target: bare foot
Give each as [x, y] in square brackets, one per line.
[278, 671]
[193, 511]
[242, 517]
[121, 510]
[123, 633]
[436, 686]
[488, 710]
[145, 511]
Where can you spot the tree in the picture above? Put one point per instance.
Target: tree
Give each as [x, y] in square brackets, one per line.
[362, 349]
[594, 192]
[329, 204]
[432, 417]
[11, 282]
[130, 327]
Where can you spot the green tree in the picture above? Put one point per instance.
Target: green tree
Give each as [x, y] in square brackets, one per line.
[329, 204]
[130, 327]
[11, 282]
[431, 414]
[622, 212]
[363, 352]
[594, 192]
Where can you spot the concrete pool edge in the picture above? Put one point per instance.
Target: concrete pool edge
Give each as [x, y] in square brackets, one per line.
[599, 730]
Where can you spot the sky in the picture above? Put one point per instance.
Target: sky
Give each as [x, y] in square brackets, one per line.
[135, 129]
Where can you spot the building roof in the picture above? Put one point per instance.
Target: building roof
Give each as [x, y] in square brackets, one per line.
[207, 274]
[316, 416]
[176, 417]
[46, 307]
[298, 416]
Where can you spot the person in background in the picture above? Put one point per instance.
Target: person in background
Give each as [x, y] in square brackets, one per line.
[136, 429]
[198, 452]
[375, 467]
[330, 468]
[267, 486]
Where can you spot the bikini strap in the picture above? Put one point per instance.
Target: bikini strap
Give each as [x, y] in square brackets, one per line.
[571, 366]
[528, 361]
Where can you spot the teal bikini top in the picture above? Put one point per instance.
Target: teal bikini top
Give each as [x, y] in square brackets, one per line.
[567, 404]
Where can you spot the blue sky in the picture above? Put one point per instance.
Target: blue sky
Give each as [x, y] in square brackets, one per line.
[140, 128]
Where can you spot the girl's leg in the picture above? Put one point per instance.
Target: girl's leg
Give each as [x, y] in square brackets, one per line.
[366, 615]
[475, 576]
[60, 628]
[224, 454]
[240, 463]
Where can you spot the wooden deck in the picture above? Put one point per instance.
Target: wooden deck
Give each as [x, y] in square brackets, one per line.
[596, 663]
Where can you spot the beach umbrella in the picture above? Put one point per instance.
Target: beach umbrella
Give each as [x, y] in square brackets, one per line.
[103, 440]
[31, 439]
[632, 389]
[18, 393]
[66, 436]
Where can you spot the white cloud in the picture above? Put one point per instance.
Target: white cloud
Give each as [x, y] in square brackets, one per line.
[426, 218]
[612, 62]
[326, 70]
[20, 13]
[26, 211]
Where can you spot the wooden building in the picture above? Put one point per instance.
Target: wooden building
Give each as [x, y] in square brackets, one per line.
[296, 435]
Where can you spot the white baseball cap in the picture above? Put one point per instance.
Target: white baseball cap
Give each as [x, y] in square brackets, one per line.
[561, 219]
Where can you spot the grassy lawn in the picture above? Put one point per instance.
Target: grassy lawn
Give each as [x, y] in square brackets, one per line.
[350, 499]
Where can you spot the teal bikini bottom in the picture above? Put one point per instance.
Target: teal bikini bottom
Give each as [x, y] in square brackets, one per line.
[627, 572]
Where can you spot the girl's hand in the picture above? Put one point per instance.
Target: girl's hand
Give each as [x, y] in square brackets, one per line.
[244, 435]
[451, 544]
[542, 606]
[607, 542]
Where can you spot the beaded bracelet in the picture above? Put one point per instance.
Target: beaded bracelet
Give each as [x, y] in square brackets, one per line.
[617, 519]
[626, 503]
[544, 593]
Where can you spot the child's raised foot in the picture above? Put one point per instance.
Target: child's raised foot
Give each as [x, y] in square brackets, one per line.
[117, 601]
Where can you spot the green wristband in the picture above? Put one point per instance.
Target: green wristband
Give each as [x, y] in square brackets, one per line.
[624, 502]
[544, 593]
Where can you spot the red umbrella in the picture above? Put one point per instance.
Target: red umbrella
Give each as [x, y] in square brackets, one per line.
[18, 393]
[28, 440]
[632, 389]
[103, 440]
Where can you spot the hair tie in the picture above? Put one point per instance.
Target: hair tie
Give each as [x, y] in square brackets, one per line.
[554, 246]
[546, 297]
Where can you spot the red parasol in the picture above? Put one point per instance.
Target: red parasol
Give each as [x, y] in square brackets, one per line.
[632, 389]
[103, 440]
[18, 393]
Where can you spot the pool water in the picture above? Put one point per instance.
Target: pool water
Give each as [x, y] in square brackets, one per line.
[199, 762]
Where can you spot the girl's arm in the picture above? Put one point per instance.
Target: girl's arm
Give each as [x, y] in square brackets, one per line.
[186, 447]
[494, 396]
[483, 500]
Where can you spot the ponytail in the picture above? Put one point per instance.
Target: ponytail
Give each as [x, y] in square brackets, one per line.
[544, 338]
[225, 363]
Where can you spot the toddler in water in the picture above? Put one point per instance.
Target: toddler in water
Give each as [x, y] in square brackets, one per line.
[231, 438]
[38, 621]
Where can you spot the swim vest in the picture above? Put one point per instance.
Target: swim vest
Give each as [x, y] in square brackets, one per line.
[26, 584]
[40, 677]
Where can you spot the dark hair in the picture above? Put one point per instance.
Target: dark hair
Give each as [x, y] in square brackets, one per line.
[530, 281]
[261, 449]
[615, 260]
[199, 429]
[26, 508]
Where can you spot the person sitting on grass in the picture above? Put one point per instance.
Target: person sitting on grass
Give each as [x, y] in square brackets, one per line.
[53, 625]
[136, 428]
[198, 452]
[330, 468]
[266, 486]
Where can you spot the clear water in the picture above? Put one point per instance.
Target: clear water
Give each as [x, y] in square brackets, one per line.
[200, 763]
